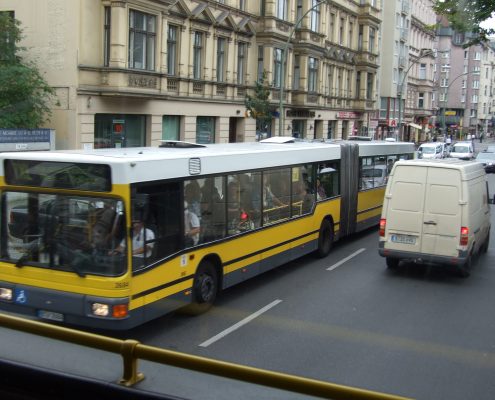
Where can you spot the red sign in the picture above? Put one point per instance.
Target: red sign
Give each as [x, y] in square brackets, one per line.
[391, 122]
[348, 114]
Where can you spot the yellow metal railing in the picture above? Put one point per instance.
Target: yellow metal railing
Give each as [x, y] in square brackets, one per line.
[131, 351]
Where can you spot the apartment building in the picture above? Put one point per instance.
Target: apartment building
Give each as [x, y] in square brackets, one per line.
[134, 72]
[407, 70]
[465, 77]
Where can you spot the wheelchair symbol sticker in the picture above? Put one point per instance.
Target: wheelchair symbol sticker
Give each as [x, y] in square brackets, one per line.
[20, 296]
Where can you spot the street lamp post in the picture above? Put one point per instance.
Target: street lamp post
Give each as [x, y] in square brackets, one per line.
[442, 110]
[282, 67]
[422, 53]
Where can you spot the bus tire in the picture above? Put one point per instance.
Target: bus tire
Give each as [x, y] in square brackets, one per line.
[205, 288]
[325, 239]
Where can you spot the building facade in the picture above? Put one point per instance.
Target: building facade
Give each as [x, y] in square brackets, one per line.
[465, 84]
[134, 72]
[407, 70]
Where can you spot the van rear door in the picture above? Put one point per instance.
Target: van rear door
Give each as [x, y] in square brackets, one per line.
[442, 212]
[405, 208]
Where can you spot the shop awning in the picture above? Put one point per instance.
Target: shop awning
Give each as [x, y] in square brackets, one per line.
[415, 126]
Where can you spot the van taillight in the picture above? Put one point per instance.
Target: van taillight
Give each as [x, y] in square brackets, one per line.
[383, 224]
[463, 241]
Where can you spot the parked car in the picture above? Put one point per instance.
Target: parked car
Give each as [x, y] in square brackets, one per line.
[432, 150]
[488, 160]
[462, 150]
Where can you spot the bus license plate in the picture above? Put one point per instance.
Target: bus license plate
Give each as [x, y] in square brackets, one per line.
[404, 239]
[51, 315]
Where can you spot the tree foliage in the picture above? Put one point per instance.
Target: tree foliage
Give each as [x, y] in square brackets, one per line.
[258, 105]
[467, 15]
[25, 96]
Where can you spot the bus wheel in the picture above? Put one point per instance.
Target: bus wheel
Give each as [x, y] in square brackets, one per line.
[205, 288]
[325, 239]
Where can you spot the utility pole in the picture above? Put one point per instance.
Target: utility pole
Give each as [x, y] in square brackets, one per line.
[422, 53]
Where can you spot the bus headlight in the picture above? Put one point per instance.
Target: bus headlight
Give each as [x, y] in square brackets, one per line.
[109, 310]
[5, 294]
[100, 309]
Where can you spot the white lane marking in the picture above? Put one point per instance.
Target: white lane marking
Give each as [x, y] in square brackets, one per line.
[239, 324]
[345, 259]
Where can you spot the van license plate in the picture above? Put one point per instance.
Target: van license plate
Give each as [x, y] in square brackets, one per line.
[50, 315]
[404, 239]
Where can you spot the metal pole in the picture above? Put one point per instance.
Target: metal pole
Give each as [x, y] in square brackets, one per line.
[281, 117]
[444, 125]
[422, 53]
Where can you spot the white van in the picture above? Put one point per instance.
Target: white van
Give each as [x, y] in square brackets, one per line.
[462, 150]
[432, 150]
[435, 211]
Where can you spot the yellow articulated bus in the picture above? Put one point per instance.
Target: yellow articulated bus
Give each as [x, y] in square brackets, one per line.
[112, 238]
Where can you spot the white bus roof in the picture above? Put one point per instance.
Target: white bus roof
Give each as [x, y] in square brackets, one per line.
[137, 164]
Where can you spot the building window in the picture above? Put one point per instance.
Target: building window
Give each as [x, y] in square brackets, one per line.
[477, 56]
[142, 33]
[220, 59]
[312, 74]
[282, 9]
[360, 37]
[171, 127]
[358, 85]
[205, 130]
[241, 63]
[351, 34]
[422, 71]
[421, 100]
[172, 50]
[476, 84]
[297, 72]
[197, 54]
[330, 79]
[299, 10]
[315, 16]
[277, 67]
[242, 5]
[369, 88]
[371, 45]
[474, 99]
[341, 31]
[261, 65]
[106, 37]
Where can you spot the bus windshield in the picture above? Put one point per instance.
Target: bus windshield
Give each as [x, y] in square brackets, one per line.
[63, 232]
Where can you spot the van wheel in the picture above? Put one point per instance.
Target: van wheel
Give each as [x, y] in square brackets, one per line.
[205, 289]
[392, 263]
[465, 270]
[325, 239]
[484, 248]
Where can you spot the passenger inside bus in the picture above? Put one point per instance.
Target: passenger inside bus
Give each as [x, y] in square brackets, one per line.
[192, 227]
[143, 241]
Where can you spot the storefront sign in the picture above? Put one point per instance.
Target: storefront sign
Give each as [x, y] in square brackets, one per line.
[300, 114]
[348, 115]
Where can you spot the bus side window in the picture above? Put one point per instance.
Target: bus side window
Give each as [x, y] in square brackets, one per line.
[212, 209]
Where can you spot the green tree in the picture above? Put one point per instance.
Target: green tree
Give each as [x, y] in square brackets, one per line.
[25, 97]
[467, 15]
[258, 105]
